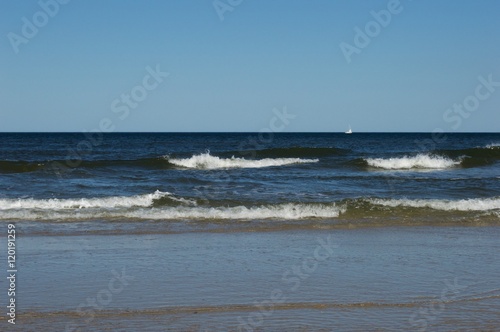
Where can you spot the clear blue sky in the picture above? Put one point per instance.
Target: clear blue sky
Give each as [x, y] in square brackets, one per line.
[228, 75]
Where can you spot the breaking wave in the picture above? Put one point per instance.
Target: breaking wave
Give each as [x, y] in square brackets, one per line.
[166, 206]
[82, 203]
[472, 204]
[289, 211]
[153, 206]
[441, 159]
[493, 146]
[207, 161]
[422, 161]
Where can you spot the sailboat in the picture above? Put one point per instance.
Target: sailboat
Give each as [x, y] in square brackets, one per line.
[349, 131]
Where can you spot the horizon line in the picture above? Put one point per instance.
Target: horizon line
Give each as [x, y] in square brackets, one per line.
[250, 132]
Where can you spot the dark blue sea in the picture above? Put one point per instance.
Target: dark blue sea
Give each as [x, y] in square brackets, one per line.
[252, 231]
[175, 182]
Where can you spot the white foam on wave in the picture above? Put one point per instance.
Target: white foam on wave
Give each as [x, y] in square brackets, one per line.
[471, 204]
[289, 211]
[81, 203]
[207, 161]
[493, 146]
[423, 161]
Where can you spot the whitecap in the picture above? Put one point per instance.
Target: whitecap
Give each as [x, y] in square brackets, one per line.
[80, 203]
[422, 161]
[471, 204]
[207, 161]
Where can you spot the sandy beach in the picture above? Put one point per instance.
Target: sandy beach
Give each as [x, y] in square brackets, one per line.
[384, 279]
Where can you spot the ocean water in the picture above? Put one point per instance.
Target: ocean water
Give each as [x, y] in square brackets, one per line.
[175, 182]
[208, 228]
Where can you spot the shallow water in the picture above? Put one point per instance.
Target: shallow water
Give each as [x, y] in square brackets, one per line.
[391, 278]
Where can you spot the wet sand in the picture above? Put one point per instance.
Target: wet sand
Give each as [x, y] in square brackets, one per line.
[386, 279]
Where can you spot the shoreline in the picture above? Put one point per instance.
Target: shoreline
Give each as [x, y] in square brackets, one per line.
[152, 227]
[216, 281]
